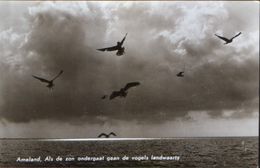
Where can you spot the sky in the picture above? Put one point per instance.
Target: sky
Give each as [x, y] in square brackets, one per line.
[218, 95]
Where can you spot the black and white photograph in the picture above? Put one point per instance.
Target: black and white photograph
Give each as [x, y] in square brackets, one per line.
[129, 84]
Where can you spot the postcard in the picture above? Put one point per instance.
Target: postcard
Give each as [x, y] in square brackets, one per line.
[129, 84]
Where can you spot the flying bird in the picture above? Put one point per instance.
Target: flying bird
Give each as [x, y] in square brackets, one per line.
[123, 91]
[180, 74]
[118, 47]
[226, 39]
[50, 82]
[103, 97]
[106, 135]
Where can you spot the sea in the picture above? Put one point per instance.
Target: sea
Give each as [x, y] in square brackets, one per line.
[220, 152]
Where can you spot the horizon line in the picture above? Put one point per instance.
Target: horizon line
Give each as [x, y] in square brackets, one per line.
[101, 139]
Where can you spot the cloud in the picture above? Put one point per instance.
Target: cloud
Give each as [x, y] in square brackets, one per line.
[60, 36]
[194, 124]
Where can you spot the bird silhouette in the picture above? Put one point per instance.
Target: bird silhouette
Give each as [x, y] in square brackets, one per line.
[106, 135]
[118, 47]
[180, 74]
[103, 97]
[123, 91]
[50, 82]
[226, 39]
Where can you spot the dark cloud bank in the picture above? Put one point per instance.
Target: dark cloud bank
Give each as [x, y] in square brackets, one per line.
[217, 77]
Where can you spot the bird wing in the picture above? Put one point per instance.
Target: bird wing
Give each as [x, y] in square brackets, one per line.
[114, 48]
[223, 38]
[236, 35]
[131, 84]
[114, 94]
[121, 43]
[102, 134]
[41, 79]
[57, 75]
[112, 133]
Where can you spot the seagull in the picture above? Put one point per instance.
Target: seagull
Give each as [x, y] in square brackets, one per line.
[226, 39]
[123, 91]
[118, 47]
[106, 135]
[103, 97]
[180, 74]
[50, 82]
